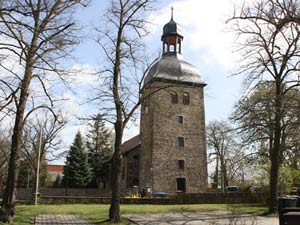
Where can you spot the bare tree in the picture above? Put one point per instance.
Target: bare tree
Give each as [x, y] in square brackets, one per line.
[219, 141]
[225, 150]
[269, 33]
[45, 132]
[124, 52]
[37, 34]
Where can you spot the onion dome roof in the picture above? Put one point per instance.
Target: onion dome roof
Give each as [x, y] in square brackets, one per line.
[173, 67]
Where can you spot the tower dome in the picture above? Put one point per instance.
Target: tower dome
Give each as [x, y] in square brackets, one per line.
[171, 66]
[174, 68]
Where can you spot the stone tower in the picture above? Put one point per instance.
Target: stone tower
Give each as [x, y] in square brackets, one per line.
[173, 148]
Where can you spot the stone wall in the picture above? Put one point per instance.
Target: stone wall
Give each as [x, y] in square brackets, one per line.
[27, 193]
[206, 198]
[57, 195]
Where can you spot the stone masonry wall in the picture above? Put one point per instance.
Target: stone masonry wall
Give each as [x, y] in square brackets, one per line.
[159, 131]
[27, 193]
[146, 134]
[206, 198]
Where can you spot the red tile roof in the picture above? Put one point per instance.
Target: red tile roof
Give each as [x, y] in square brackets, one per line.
[131, 144]
[55, 168]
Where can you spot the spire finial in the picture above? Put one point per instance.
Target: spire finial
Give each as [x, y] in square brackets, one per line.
[172, 10]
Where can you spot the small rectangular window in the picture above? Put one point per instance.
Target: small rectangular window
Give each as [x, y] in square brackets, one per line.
[181, 184]
[180, 119]
[180, 141]
[181, 164]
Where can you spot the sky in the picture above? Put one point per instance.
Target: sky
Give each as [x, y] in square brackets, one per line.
[207, 44]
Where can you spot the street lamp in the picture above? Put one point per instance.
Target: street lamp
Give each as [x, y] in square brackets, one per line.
[38, 169]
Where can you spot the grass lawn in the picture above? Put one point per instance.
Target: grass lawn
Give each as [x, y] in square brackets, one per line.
[98, 213]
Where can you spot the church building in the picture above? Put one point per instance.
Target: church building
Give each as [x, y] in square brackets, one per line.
[169, 155]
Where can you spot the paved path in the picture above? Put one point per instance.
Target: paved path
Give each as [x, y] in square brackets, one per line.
[60, 220]
[187, 218]
[202, 218]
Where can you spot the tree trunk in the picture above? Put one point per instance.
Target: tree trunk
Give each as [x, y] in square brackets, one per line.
[274, 173]
[223, 174]
[216, 177]
[114, 210]
[275, 152]
[8, 203]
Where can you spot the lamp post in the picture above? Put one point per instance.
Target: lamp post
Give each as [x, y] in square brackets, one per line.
[38, 169]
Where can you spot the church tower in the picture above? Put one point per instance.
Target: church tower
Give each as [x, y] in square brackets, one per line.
[173, 148]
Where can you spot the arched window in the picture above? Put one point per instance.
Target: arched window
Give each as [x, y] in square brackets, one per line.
[186, 98]
[174, 97]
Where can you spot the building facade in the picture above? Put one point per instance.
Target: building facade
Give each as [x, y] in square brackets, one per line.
[130, 164]
[172, 131]
[169, 155]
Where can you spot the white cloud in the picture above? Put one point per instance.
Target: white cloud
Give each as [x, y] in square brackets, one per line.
[84, 74]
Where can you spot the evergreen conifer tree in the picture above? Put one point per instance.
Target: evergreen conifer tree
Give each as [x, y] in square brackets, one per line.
[77, 172]
[99, 149]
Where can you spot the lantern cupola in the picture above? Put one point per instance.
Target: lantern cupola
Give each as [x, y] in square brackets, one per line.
[171, 37]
